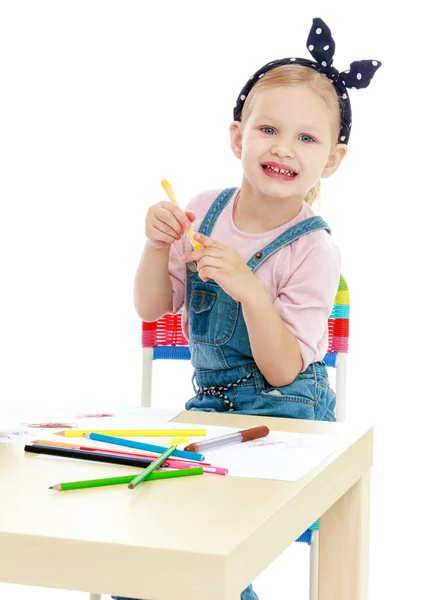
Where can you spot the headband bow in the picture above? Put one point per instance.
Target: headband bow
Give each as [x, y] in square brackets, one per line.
[321, 45]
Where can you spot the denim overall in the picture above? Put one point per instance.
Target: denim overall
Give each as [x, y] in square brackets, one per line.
[226, 376]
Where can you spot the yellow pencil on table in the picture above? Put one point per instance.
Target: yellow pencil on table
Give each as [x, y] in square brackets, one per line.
[135, 432]
[168, 189]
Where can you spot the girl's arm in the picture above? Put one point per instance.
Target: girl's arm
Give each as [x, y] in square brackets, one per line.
[165, 224]
[275, 349]
[153, 287]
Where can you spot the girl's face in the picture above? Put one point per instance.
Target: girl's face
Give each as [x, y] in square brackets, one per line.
[286, 143]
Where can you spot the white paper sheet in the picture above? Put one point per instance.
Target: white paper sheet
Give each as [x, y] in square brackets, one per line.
[280, 455]
[21, 427]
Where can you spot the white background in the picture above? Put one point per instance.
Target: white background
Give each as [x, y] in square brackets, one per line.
[100, 100]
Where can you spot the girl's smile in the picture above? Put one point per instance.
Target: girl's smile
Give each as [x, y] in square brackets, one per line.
[279, 171]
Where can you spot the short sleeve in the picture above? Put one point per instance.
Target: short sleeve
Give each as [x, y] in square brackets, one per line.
[305, 302]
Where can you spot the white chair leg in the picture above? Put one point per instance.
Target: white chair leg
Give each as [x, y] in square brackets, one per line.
[95, 596]
[313, 579]
[146, 384]
[340, 386]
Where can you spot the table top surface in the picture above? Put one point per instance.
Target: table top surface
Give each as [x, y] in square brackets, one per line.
[207, 521]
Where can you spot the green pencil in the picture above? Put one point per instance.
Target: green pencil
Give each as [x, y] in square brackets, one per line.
[77, 485]
[150, 468]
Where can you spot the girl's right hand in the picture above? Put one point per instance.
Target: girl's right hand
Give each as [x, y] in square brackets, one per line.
[166, 223]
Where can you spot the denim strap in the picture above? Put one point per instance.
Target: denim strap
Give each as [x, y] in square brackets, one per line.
[214, 211]
[290, 235]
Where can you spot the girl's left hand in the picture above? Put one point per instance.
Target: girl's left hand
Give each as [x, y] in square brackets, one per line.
[226, 266]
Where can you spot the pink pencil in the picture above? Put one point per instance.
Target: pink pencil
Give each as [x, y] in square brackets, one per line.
[178, 464]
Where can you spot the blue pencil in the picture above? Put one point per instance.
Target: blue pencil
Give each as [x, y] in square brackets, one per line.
[142, 446]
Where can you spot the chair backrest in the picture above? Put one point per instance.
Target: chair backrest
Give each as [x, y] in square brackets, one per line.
[164, 339]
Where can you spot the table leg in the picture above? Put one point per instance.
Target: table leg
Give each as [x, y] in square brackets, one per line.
[344, 546]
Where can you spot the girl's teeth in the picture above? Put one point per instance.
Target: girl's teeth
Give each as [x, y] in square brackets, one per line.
[282, 171]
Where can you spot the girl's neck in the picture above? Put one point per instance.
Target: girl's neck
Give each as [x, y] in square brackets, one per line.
[257, 213]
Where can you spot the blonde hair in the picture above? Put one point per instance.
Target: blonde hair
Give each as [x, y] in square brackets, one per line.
[289, 75]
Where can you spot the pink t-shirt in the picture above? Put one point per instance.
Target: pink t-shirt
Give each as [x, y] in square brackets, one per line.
[301, 278]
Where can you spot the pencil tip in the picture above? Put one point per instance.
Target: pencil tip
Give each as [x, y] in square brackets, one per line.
[58, 432]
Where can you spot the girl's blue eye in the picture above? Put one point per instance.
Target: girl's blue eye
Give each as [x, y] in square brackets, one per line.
[268, 130]
[306, 138]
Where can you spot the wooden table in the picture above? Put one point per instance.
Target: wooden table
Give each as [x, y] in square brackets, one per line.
[197, 538]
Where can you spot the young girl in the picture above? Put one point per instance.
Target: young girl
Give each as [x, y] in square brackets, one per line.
[258, 295]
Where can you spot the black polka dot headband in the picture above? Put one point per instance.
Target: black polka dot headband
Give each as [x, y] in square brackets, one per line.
[321, 46]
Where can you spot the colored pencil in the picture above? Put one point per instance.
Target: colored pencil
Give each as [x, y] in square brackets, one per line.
[135, 432]
[142, 446]
[150, 468]
[172, 463]
[168, 189]
[76, 485]
[93, 456]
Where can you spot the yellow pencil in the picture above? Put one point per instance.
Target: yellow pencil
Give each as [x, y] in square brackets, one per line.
[134, 432]
[168, 189]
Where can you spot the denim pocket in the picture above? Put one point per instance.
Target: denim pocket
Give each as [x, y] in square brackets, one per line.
[202, 300]
[304, 387]
[212, 313]
[288, 406]
[299, 399]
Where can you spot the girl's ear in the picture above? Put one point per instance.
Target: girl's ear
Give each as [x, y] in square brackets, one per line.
[335, 159]
[236, 138]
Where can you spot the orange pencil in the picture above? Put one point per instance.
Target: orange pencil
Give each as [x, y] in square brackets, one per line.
[91, 448]
[168, 189]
